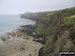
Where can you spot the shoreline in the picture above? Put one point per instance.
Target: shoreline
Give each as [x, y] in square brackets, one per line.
[13, 30]
[4, 32]
[27, 47]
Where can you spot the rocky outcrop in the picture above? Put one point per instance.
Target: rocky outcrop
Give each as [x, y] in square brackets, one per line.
[32, 31]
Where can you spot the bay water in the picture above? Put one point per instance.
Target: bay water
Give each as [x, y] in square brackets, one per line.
[10, 22]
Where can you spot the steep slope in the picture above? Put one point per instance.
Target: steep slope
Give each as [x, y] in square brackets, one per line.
[59, 29]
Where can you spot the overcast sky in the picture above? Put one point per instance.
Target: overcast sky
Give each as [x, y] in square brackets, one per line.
[21, 6]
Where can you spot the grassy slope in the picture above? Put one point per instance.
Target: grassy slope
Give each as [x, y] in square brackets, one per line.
[34, 16]
[59, 27]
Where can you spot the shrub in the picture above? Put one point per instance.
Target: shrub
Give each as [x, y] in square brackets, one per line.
[4, 39]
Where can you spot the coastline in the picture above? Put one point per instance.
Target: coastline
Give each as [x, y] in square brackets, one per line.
[27, 47]
[5, 33]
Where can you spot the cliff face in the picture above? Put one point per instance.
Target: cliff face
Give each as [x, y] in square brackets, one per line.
[59, 29]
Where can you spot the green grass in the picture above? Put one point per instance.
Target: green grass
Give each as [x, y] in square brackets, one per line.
[4, 39]
[67, 20]
[44, 30]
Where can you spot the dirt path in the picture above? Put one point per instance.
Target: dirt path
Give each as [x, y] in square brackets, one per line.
[20, 47]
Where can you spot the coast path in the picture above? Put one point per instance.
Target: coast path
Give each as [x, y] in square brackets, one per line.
[20, 47]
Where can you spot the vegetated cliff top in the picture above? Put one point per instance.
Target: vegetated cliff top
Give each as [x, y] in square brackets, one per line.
[35, 15]
[59, 29]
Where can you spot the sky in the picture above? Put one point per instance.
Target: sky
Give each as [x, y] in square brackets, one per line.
[22, 6]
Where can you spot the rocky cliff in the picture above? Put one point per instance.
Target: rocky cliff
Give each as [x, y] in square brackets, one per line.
[59, 28]
[58, 31]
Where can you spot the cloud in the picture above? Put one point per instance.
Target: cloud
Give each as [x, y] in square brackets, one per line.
[21, 6]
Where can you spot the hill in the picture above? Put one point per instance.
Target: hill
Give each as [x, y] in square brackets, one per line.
[57, 28]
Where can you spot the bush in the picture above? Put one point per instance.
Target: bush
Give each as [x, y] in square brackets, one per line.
[4, 39]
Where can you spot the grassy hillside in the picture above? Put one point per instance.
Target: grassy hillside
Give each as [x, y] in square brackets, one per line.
[34, 16]
[50, 20]
[59, 28]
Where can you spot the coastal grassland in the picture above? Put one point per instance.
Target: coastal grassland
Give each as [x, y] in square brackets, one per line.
[59, 26]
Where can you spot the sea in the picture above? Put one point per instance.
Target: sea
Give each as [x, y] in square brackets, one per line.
[11, 22]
